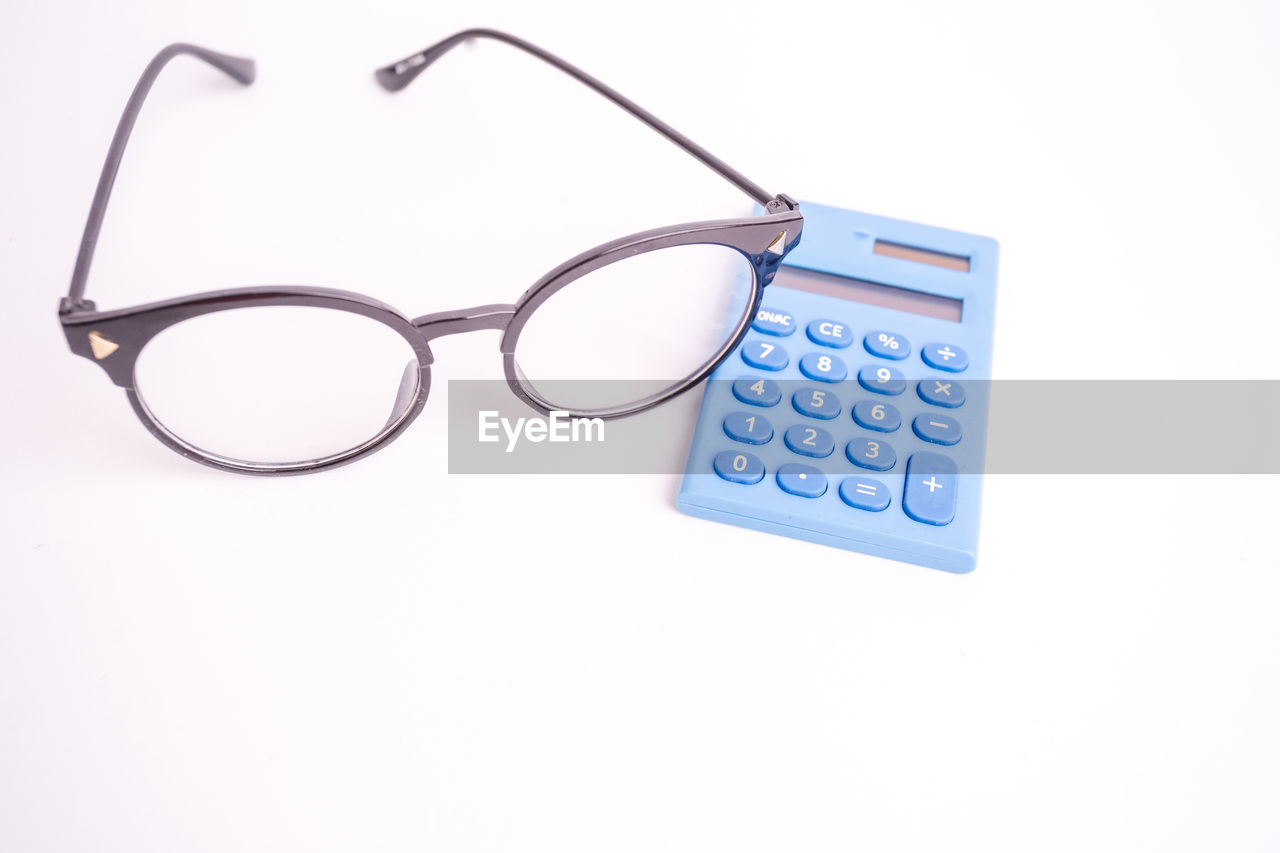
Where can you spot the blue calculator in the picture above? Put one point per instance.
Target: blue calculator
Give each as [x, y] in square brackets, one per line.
[854, 412]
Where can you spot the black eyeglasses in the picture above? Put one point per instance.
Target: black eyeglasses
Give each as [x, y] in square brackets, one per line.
[289, 379]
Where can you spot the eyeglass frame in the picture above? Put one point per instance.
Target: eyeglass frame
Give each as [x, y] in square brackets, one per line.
[114, 339]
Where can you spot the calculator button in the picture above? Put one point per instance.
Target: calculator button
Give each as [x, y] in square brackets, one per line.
[864, 493]
[886, 345]
[941, 392]
[938, 429]
[880, 417]
[882, 379]
[816, 403]
[809, 441]
[749, 429]
[770, 321]
[738, 467]
[764, 355]
[756, 391]
[872, 454]
[803, 480]
[945, 357]
[930, 493]
[824, 368]
[829, 333]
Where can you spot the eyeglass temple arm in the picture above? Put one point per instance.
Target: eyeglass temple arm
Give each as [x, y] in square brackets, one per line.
[396, 76]
[242, 70]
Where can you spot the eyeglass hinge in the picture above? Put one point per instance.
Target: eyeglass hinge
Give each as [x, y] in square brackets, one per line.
[781, 203]
[67, 305]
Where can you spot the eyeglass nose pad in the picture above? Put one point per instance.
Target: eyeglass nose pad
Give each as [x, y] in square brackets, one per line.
[408, 390]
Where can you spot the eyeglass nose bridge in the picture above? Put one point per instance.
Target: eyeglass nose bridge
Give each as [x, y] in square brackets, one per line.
[443, 323]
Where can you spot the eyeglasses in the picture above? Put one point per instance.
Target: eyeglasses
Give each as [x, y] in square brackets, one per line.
[290, 379]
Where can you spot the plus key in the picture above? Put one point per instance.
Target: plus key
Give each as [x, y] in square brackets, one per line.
[930, 493]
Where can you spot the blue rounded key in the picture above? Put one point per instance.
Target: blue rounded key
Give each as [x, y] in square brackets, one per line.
[886, 345]
[824, 368]
[802, 480]
[816, 403]
[771, 321]
[757, 391]
[882, 379]
[945, 357]
[880, 417]
[749, 429]
[738, 467]
[941, 392]
[829, 333]
[871, 453]
[764, 355]
[930, 493]
[864, 493]
[938, 429]
[809, 441]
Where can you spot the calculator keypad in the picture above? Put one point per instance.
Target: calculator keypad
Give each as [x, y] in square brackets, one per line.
[930, 477]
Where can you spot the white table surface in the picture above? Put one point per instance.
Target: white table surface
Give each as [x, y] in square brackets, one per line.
[202, 662]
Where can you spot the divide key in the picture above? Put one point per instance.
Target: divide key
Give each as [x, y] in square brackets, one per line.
[945, 357]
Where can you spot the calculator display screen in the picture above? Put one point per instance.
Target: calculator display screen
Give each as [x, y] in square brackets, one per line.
[870, 293]
[921, 256]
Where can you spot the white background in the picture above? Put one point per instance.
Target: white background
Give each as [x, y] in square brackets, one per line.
[386, 657]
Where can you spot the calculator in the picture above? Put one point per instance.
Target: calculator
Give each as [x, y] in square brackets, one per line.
[854, 412]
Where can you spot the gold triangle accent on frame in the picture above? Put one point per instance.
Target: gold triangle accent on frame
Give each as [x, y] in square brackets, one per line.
[101, 345]
[779, 244]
